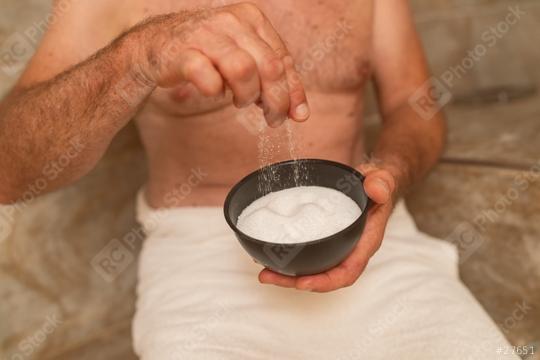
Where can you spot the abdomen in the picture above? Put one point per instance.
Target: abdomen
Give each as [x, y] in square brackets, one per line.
[226, 145]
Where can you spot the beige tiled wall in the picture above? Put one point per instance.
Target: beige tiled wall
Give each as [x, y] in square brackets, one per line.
[46, 277]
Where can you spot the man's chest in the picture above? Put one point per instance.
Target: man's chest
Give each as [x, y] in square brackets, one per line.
[330, 40]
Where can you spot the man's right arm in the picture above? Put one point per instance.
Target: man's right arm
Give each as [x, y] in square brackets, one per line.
[76, 113]
[234, 47]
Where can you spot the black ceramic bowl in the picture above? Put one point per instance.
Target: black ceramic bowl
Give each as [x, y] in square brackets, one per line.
[303, 258]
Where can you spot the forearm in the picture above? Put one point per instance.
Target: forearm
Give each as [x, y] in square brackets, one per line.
[86, 106]
[410, 146]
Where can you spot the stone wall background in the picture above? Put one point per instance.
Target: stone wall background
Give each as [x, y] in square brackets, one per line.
[55, 306]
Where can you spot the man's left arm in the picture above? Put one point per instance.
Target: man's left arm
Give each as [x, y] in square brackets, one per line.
[409, 144]
[408, 147]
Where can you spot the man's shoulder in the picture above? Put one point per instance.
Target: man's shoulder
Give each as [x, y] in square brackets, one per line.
[76, 29]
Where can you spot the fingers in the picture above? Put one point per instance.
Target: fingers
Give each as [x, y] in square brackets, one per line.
[234, 46]
[269, 277]
[298, 108]
[379, 185]
[274, 86]
[346, 273]
[281, 90]
[273, 77]
[240, 71]
[325, 282]
[341, 276]
[196, 68]
[350, 269]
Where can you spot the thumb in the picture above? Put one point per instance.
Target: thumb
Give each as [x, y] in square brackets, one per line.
[379, 186]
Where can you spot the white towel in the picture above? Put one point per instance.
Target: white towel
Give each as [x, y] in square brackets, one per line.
[199, 298]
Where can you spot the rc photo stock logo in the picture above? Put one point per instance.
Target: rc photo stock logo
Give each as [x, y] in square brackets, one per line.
[435, 93]
[252, 119]
[15, 51]
[466, 239]
[112, 260]
[282, 254]
[430, 98]
[19, 47]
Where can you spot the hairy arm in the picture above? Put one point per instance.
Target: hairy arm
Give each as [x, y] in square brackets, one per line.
[72, 116]
[409, 145]
[65, 109]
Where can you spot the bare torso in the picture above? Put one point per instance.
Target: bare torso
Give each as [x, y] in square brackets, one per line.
[183, 133]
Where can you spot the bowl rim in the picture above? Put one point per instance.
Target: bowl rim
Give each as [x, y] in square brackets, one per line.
[239, 184]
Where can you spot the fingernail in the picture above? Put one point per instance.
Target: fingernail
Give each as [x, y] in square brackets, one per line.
[274, 120]
[302, 111]
[275, 124]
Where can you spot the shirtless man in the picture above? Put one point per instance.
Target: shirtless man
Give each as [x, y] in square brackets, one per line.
[186, 75]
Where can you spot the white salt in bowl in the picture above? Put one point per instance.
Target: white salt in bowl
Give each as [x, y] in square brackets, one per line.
[310, 257]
